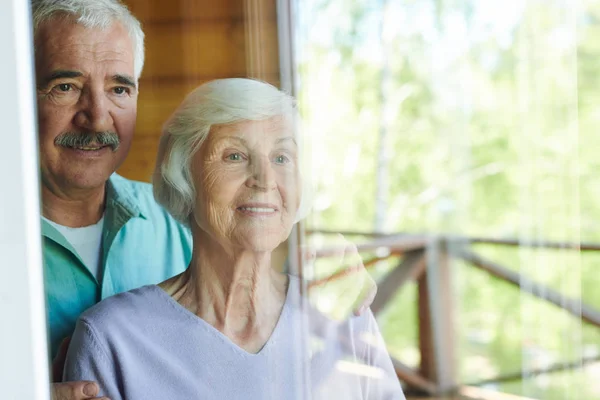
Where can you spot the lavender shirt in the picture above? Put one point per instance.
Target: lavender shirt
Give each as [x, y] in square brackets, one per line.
[142, 344]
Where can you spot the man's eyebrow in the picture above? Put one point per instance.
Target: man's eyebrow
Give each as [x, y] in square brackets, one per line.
[61, 74]
[124, 80]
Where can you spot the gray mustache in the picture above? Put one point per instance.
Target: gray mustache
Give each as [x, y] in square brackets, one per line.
[84, 139]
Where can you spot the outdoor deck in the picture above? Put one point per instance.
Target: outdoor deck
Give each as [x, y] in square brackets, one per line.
[425, 260]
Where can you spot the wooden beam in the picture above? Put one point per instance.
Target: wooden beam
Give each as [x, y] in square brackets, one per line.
[436, 321]
[402, 244]
[534, 244]
[349, 271]
[412, 378]
[573, 306]
[475, 393]
[558, 367]
[473, 240]
[411, 267]
[426, 347]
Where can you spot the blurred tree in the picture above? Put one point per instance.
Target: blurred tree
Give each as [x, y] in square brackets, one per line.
[479, 118]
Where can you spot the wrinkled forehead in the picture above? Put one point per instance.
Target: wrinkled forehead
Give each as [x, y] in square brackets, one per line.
[270, 130]
[62, 43]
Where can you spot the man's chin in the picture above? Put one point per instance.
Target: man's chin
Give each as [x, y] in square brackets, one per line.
[82, 178]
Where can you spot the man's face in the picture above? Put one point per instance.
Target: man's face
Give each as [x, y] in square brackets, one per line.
[87, 102]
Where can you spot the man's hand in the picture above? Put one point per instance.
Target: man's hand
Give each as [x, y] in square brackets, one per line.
[58, 363]
[83, 390]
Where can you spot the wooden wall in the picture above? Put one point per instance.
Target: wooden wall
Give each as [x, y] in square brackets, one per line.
[189, 42]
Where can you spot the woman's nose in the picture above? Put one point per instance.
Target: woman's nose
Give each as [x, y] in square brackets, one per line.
[262, 175]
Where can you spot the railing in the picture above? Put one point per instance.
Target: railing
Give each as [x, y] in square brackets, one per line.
[425, 260]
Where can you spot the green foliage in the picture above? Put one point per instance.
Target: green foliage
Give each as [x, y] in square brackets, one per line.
[493, 133]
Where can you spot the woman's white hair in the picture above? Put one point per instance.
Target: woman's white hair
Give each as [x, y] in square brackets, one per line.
[222, 101]
[93, 14]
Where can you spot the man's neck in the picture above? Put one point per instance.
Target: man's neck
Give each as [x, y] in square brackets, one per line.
[74, 209]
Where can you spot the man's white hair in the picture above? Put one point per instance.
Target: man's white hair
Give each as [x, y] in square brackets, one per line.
[222, 101]
[93, 14]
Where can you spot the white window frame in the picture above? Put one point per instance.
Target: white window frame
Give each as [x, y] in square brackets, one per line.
[24, 369]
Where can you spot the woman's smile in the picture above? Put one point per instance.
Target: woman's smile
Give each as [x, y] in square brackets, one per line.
[260, 210]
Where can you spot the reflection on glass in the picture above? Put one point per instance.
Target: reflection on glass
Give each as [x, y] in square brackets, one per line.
[469, 121]
[230, 326]
[451, 142]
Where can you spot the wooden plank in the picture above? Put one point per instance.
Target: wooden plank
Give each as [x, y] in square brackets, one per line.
[411, 267]
[573, 306]
[261, 40]
[536, 244]
[139, 164]
[208, 49]
[173, 11]
[412, 378]
[399, 244]
[148, 11]
[474, 240]
[349, 270]
[558, 367]
[476, 393]
[426, 346]
[436, 321]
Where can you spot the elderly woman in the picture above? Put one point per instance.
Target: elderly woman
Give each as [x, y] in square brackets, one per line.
[230, 326]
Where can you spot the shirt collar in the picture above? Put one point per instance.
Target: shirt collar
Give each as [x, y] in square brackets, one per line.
[121, 205]
[119, 195]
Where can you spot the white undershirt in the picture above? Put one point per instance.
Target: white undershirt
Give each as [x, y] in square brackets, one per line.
[87, 241]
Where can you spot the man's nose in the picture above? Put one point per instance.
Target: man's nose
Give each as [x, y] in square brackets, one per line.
[94, 113]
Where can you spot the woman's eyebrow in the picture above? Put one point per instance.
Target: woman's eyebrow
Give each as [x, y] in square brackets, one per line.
[223, 141]
[285, 139]
[231, 137]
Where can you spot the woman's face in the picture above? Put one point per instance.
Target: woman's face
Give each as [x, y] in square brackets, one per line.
[247, 183]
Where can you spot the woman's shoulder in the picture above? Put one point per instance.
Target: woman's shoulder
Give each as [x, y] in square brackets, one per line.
[123, 307]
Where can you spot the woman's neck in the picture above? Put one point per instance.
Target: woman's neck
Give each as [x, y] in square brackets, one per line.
[236, 292]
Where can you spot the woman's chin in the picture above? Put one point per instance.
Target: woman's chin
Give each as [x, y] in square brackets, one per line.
[260, 242]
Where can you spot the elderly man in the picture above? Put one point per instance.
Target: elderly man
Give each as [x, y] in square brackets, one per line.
[103, 234]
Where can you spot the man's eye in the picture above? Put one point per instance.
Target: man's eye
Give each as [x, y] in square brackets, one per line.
[64, 87]
[120, 90]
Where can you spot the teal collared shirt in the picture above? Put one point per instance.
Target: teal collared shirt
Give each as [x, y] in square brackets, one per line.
[141, 244]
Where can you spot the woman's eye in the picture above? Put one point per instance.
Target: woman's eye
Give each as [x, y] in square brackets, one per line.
[235, 157]
[281, 159]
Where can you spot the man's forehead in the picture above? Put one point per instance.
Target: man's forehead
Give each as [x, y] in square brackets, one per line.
[63, 44]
